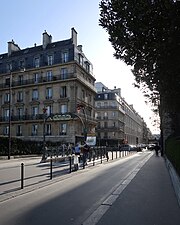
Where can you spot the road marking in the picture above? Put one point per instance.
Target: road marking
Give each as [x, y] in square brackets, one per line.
[102, 209]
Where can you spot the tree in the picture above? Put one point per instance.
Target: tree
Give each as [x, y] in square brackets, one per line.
[145, 34]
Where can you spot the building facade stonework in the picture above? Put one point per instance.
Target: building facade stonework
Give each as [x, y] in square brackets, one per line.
[41, 82]
[118, 122]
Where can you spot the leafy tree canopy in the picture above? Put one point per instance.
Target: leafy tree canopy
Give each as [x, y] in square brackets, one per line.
[145, 34]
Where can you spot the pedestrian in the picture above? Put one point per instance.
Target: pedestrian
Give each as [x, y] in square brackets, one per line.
[77, 151]
[86, 149]
[157, 148]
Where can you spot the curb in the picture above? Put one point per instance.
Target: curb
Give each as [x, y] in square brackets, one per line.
[174, 178]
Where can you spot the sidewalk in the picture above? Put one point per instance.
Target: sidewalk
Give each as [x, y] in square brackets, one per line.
[149, 199]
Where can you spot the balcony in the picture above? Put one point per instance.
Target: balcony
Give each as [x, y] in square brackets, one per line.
[40, 80]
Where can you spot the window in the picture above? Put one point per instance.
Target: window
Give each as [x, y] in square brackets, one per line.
[20, 79]
[113, 114]
[63, 129]
[6, 98]
[105, 96]
[6, 114]
[19, 96]
[105, 135]
[20, 113]
[99, 104]
[105, 115]
[19, 130]
[9, 67]
[48, 129]
[83, 94]
[105, 125]
[36, 62]
[34, 129]
[34, 110]
[7, 81]
[50, 60]
[80, 59]
[65, 56]
[6, 130]
[105, 104]
[49, 75]
[48, 93]
[49, 110]
[63, 92]
[63, 108]
[87, 67]
[64, 73]
[21, 64]
[36, 77]
[35, 94]
[98, 115]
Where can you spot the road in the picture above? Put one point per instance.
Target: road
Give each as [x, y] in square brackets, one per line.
[73, 199]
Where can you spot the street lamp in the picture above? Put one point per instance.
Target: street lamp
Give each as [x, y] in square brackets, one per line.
[44, 133]
[10, 100]
[79, 107]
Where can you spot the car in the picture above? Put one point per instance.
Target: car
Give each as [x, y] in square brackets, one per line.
[151, 146]
[127, 147]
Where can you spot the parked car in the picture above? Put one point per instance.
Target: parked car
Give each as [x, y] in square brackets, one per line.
[151, 146]
[127, 147]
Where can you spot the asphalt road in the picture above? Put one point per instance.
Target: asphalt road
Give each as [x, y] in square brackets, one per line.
[71, 200]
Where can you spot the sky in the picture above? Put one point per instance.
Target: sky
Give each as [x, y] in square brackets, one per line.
[25, 21]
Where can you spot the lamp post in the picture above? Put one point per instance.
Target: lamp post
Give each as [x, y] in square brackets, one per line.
[79, 107]
[9, 133]
[44, 133]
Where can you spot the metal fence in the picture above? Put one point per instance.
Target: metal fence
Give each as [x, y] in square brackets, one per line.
[28, 173]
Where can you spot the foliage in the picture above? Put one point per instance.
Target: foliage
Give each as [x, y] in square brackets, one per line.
[145, 34]
[19, 147]
[173, 152]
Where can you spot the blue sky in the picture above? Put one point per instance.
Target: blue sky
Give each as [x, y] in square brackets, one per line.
[25, 21]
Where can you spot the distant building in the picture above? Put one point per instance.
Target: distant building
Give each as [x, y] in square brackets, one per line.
[47, 90]
[118, 122]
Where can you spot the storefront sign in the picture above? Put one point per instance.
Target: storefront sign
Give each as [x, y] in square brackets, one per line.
[61, 117]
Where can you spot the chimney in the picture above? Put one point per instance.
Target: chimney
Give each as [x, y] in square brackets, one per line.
[12, 47]
[80, 48]
[47, 39]
[74, 36]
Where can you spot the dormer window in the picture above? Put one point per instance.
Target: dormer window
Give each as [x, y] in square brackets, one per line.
[36, 62]
[65, 56]
[80, 59]
[21, 64]
[50, 60]
[9, 67]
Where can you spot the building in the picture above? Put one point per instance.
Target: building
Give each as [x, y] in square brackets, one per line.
[110, 116]
[47, 91]
[118, 122]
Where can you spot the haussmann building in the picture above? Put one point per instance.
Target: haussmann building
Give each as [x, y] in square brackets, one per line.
[47, 91]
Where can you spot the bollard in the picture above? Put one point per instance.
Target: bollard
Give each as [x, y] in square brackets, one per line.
[70, 164]
[22, 175]
[116, 153]
[51, 168]
[112, 154]
[107, 156]
[93, 160]
[101, 155]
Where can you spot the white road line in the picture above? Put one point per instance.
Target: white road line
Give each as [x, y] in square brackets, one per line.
[102, 209]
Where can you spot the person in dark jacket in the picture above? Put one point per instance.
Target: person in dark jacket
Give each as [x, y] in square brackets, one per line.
[157, 148]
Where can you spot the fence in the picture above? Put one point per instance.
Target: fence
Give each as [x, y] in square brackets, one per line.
[30, 173]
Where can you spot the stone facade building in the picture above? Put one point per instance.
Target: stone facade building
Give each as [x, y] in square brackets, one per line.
[41, 88]
[118, 122]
